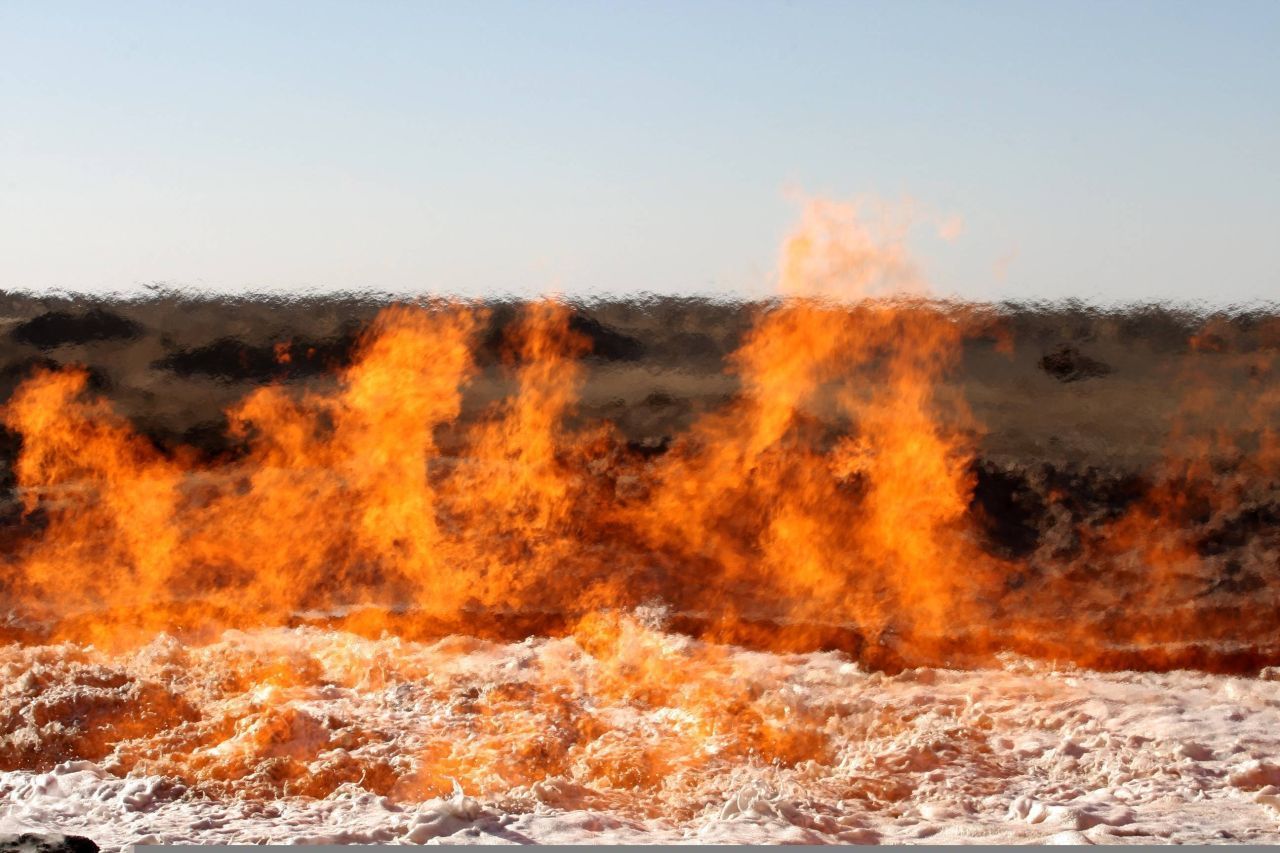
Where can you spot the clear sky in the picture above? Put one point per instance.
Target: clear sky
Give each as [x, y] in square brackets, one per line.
[1108, 151]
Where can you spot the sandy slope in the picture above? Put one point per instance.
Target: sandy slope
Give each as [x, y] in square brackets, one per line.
[648, 736]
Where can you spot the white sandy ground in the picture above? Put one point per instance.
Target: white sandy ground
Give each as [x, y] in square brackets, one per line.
[650, 737]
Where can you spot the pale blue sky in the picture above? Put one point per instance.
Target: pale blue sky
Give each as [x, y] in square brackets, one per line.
[1110, 151]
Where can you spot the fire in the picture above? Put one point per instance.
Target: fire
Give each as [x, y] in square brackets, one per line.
[861, 527]
[1209, 487]
[335, 603]
[595, 714]
[828, 505]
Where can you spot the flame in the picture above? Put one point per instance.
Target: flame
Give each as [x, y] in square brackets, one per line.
[827, 505]
[1206, 482]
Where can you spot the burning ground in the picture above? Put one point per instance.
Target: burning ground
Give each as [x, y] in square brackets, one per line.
[622, 732]
[851, 565]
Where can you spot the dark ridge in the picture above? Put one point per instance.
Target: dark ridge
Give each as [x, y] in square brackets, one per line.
[1164, 328]
[59, 328]
[213, 440]
[492, 345]
[1236, 531]
[604, 342]
[649, 448]
[230, 360]
[10, 447]
[14, 374]
[1093, 495]
[1234, 581]
[208, 442]
[607, 343]
[1068, 364]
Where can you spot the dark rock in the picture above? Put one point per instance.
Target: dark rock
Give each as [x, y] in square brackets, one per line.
[1162, 328]
[14, 374]
[1068, 364]
[46, 842]
[1235, 581]
[1007, 509]
[602, 342]
[210, 440]
[1236, 531]
[230, 360]
[607, 344]
[59, 328]
[648, 448]
[1091, 494]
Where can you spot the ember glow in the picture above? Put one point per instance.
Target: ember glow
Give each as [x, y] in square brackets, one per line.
[377, 598]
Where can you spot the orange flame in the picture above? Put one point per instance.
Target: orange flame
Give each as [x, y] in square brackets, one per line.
[827, 505]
